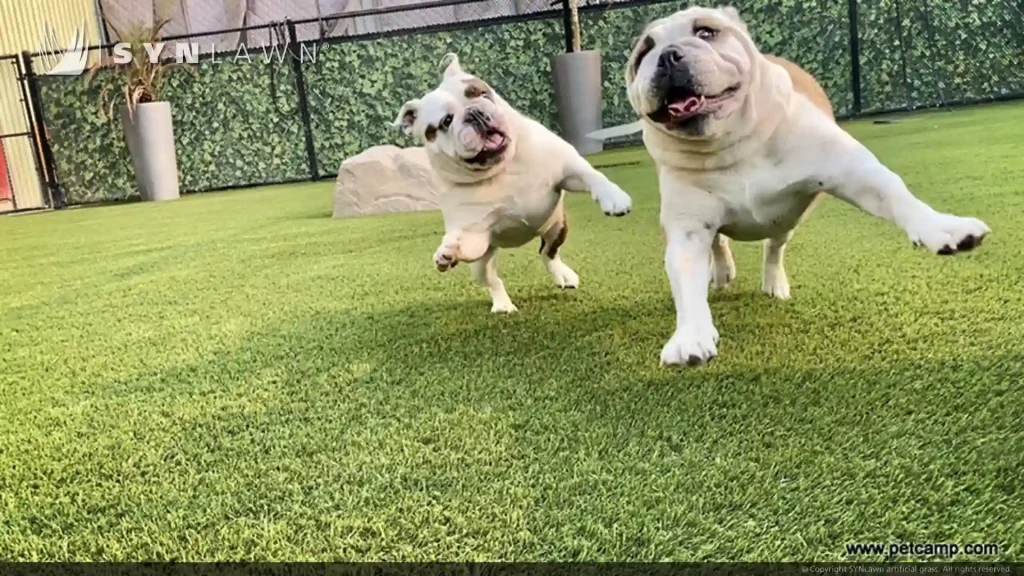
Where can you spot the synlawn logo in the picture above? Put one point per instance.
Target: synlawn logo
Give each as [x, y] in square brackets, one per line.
[60, 61]
[72, 61]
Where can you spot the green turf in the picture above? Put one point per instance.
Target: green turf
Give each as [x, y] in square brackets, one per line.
[239, 376]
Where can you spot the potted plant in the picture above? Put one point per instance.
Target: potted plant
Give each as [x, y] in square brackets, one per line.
[146, 120]
[577, 76]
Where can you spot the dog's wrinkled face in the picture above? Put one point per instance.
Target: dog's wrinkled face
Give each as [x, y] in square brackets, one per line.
[691, 71]
[462, 121]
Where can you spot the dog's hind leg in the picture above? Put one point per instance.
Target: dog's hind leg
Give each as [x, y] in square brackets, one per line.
[723, 266]
[485, 270]
[775, 283]
[550, 242]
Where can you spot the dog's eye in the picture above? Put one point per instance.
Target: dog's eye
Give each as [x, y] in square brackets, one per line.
[446, 122]
[430, 133]
[706, 34]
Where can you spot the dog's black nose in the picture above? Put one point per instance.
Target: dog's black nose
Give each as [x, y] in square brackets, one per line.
[475, 117]
[670, 57]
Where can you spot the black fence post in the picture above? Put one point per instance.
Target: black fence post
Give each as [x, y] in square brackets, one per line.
[567, 25]
[300, 87]
[55, 197]
[855, 57]
[30, 120]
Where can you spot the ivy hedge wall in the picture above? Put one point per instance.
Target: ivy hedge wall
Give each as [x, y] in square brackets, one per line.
[238, 122]
[234, 124]
[926, 52]
[356, 88]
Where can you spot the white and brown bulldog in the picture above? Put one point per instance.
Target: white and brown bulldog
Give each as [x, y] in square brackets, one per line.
[744, 144]
[502, 177]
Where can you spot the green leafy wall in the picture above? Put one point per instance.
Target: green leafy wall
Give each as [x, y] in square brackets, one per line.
[90, 153]
[951, 50]
[356, 88]
[237, 123]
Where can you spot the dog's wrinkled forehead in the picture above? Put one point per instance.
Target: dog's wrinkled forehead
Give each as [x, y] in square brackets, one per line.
[697, 29]
[461, 85]
[685, 22]
[435, 105]
[457, 91]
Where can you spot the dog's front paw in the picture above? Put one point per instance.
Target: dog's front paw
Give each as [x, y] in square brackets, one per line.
[613, 200]
[445, 257]
[690, 346]
[947, 234]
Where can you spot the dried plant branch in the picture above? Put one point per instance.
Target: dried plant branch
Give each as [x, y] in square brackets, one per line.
[141, 78]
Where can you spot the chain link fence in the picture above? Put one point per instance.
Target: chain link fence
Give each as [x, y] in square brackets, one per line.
[924, 53]
[331, 86]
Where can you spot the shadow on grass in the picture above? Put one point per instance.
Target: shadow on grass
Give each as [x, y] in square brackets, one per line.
[600, 359]
[406, 418]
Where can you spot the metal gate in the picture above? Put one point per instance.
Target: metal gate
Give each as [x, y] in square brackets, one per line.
[22, 181]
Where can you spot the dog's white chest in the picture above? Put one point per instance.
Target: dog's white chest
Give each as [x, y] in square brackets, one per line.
[767, 207]
[526, 209]
[515, 208]
[756, 201]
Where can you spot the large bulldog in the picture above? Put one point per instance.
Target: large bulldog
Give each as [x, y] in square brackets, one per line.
[744, 144]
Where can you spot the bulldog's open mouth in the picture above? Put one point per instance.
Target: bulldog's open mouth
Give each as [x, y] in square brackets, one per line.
[682, 105]
[494, 143]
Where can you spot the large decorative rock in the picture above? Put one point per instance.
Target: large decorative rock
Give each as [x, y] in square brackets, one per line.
[385, 179]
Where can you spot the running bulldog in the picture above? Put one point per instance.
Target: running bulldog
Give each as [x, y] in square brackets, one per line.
[502, 176]
[744, 144]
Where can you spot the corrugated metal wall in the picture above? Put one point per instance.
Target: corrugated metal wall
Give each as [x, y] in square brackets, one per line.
[17, 152]
[21, 22]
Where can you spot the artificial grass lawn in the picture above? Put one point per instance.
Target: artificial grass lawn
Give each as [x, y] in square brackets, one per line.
[238, 376]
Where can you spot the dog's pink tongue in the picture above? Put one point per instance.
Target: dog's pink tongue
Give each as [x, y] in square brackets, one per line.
[493, 141]
[686, 108]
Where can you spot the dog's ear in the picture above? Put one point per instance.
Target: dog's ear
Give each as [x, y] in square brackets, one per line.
[733, 15]
[407, 116]
[641, 46]
[452, 65]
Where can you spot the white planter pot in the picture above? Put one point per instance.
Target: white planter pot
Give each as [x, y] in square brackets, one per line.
[577, 78]
[151, 144]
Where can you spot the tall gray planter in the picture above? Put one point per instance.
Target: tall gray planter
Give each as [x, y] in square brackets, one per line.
[151, 144]
[578, 95]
